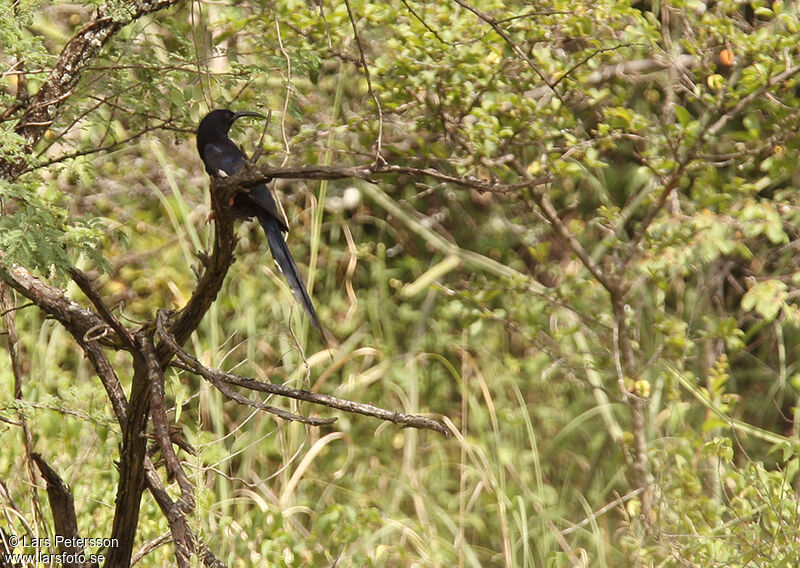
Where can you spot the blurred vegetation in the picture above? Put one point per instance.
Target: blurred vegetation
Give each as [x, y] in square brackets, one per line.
[669, 130]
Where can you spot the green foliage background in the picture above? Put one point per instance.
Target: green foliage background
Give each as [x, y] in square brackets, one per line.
[677, 178]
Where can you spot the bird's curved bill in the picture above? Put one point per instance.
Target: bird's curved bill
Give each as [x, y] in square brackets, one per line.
[242, 113]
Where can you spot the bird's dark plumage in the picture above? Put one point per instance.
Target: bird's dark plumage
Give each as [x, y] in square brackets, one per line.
[222, 158]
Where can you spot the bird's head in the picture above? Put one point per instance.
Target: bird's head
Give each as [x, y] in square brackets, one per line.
[217, 123]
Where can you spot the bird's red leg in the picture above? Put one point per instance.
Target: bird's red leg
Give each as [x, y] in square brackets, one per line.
[211, 215]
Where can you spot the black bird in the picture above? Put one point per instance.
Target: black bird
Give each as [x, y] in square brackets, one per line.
[223, 159]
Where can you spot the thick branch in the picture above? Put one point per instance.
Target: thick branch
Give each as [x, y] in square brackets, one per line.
[62, 505]
[86, 286]
[640, 68]
[81, 323]
[161, 431]
[132, 455]
[216, 267]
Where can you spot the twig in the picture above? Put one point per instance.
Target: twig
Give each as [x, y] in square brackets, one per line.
[605, 508]
[287, 96]
[519, 51]
[423, 22]
[734, 112]
[150, 546]
[260, 148]
[96, 150]
[378, 152]
[588, 58]
[16, 308]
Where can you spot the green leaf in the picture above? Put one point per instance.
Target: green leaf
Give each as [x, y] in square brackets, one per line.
[682, 115]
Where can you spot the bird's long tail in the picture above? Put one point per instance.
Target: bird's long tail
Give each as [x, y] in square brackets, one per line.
[281, 254]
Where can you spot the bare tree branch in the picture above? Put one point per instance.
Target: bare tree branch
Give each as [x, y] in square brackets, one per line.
[214, 375]
[62, 505]
[98, 150]
[216, 267]
[150, 546]
[161, 430]
[78, 321]
[365, 67]
[88, 288]
[174, 512]
[254, 175]
[133, 453]
[222, 386]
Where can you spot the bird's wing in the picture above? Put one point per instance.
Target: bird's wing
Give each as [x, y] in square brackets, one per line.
[262, 197]
[222, 160]
[226, 160]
